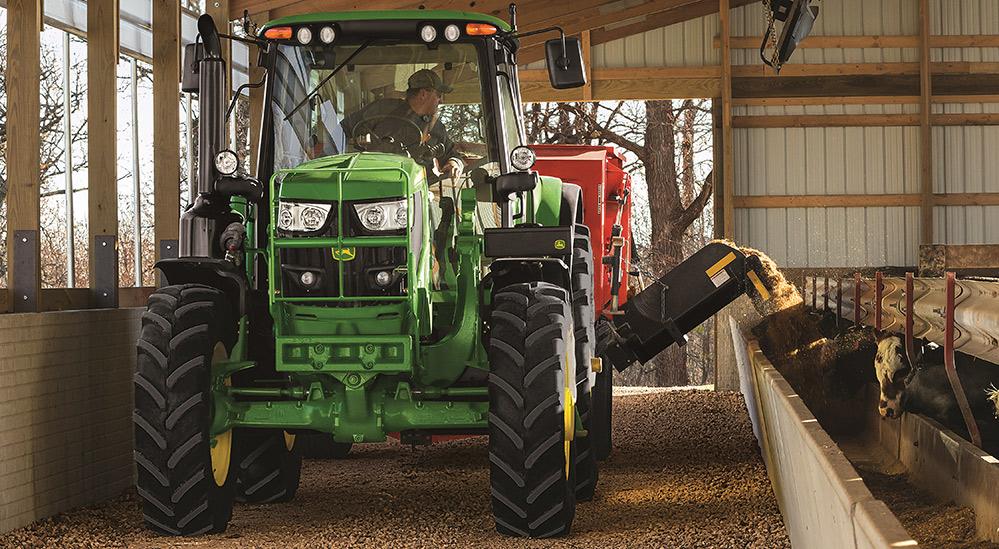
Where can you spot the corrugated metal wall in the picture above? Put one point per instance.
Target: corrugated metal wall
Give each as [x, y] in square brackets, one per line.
[871, 160]
[966, 159]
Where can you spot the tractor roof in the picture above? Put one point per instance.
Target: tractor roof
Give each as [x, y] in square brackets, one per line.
[389, 15]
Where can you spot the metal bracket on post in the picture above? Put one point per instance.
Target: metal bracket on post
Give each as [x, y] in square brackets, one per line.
[878, 291]
[857, 281]
[168, 250]
[26, 270]
[104, 287]
[951, 366]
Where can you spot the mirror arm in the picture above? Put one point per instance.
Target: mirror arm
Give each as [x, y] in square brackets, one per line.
[564, 62]
[235, 96]
[245, 40]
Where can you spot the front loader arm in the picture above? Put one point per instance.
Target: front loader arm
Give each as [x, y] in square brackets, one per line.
[680, 301]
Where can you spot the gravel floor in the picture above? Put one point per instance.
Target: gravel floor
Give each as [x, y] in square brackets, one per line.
[685, 472]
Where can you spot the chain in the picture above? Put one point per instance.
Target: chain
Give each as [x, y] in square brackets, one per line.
[768, 13]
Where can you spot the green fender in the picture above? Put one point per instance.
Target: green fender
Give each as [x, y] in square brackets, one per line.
[548, 197]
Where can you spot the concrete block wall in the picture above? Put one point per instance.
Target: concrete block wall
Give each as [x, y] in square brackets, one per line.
[65, 410]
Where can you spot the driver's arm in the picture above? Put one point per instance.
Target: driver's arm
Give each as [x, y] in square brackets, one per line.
[450, 160]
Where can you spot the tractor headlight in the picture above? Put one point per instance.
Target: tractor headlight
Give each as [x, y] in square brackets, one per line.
[383, 216]
[522, 158]
[428, 33]
[304, 35]
[327, 34]
[226, 162]
[302, 217]
[452, 33]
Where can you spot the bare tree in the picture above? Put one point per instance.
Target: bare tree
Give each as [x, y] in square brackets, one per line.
[664, 139]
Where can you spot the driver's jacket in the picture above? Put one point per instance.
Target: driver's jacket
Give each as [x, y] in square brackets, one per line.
[431, 143]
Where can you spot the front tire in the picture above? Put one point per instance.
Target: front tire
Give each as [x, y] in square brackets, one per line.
[184, 479]
[270, 466]
[531, 415]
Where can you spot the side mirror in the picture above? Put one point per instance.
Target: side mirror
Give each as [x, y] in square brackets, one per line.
[564, 58]
[247, 187]
[189, 80]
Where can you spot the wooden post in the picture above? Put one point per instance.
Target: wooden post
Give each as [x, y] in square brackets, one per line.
[102, 105]
[728, 210]
[166, 126]
[24, 24]
[718, 172]
[584, 39]
[925, 130]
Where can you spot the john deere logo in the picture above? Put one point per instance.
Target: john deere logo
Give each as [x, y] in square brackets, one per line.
[344, 254]
[560, 244]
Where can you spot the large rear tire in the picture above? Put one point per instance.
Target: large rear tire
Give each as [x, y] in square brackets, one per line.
[184, 479]
[583, 313]
[531, 415]
[270, 466]
[601, 412]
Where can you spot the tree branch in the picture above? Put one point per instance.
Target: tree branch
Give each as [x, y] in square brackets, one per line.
[691, 212]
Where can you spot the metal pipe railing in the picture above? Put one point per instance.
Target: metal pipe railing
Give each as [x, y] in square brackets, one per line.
[976, 309]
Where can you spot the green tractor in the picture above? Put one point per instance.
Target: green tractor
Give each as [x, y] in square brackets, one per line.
[380, 275]
[396, 268]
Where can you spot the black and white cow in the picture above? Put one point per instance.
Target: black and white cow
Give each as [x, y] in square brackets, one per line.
[926, 390]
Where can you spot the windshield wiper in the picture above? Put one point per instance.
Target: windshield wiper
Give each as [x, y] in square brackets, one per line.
[315, 90]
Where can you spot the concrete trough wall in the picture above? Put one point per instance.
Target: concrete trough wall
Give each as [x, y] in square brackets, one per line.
[822, 497]
[65, 410]
[942, 463]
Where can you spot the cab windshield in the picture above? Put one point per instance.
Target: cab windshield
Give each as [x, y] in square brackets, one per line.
[368, 104]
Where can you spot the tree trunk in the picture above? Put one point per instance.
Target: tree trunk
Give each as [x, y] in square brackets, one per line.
[665, 209]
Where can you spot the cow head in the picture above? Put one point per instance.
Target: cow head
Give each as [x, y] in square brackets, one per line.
[891, 366]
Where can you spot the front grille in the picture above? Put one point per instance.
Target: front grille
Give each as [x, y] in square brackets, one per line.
[359, 273]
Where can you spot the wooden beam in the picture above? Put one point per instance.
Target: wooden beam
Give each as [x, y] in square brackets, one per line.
[102, 136]
[4, 300]
[24, 24]
[875, 41]
[925, 131]
[843, 69]
[166, 125]
[965, 199]
[827, 201]
[863, 120]
[728, 163]
[864, 200]
[861, 100]
[965, 256]
[663, 19]
[610, 84]
[862, 85]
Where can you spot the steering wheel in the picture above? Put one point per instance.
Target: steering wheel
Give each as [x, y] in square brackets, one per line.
[381, 143]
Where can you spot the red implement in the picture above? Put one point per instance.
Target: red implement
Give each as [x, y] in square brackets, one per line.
[599, 171]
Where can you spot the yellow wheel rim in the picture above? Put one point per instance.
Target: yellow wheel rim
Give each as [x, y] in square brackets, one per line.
[221, 445]
[569, 413]
[289, 440]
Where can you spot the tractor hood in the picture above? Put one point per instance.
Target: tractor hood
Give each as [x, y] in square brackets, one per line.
[352, 176]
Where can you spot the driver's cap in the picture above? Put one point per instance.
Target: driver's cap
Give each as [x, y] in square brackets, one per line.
[426, 78]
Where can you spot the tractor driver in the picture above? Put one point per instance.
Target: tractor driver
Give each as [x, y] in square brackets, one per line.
[412, 123]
